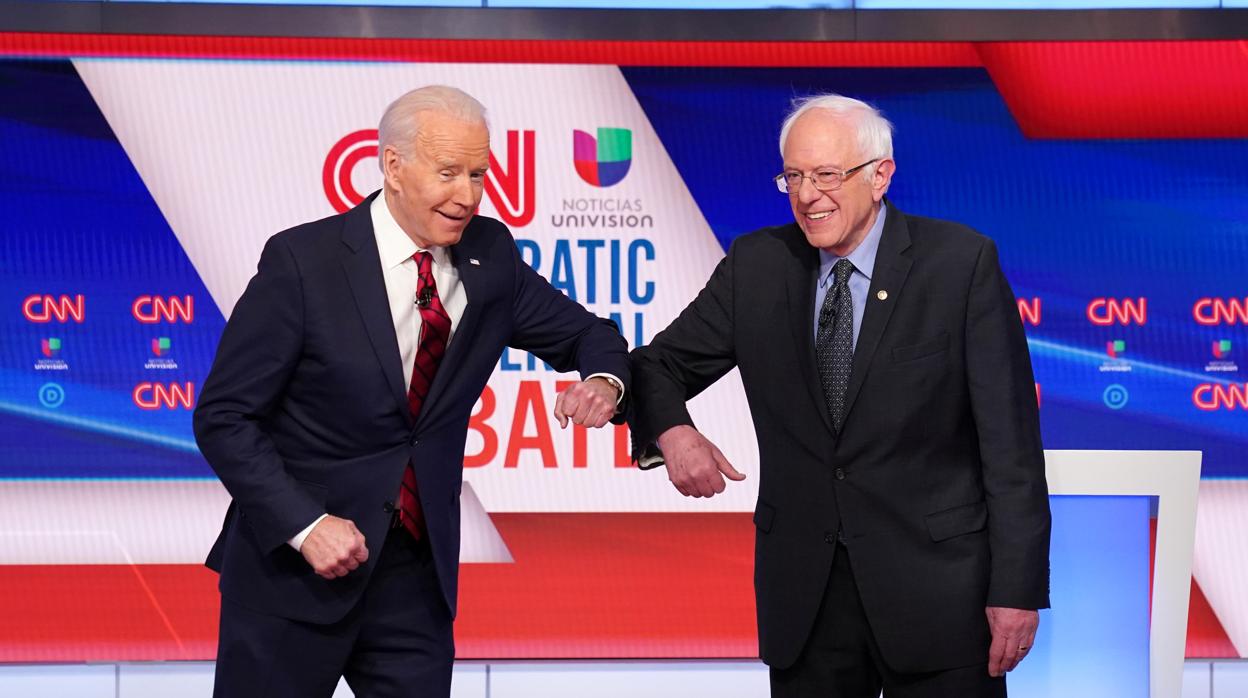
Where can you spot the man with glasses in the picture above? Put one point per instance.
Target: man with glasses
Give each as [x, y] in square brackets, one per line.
[902, 524]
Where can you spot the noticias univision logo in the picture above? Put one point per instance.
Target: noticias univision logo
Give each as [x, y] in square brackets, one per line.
[603, 162]
[1114, 349]
[160, 362]
[50, 347]
[1222, 362]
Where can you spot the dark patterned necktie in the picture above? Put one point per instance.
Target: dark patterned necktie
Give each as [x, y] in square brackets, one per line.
[435, 330]
[834, 343]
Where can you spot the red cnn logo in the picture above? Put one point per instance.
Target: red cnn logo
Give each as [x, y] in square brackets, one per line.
[1029, 311]
[155, 396]
[1118, 311]
[1221, 311]
[150, 310]
[42, 308]
[1217, 396]
[341, 162]
[513, 190]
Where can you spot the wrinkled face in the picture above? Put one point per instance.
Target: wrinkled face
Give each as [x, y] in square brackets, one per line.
[836, 221]
[434, 191]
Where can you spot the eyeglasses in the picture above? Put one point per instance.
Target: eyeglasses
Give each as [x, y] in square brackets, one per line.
[823, 179]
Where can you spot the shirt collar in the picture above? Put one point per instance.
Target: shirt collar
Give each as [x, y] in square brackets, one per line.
[393, 245]
[863, 256]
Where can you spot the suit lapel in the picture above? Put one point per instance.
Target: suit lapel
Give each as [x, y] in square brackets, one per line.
[472, 278]
[801, 280]
[891, 269]
[363, 269]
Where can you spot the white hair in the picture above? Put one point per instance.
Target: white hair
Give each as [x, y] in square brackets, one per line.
[875, 133]
[401, 121]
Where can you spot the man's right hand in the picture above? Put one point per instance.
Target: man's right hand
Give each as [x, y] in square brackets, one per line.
[694, 464]
[334, 548]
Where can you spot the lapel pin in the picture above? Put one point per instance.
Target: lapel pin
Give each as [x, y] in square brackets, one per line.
[882, 295]
[473, 261]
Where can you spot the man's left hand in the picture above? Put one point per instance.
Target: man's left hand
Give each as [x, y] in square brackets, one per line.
[1013, 632]
[590, 403]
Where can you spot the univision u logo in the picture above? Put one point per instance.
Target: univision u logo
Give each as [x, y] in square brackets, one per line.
[605, 161]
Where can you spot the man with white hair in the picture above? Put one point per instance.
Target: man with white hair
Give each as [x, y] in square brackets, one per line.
[902, 523]
[337, 409]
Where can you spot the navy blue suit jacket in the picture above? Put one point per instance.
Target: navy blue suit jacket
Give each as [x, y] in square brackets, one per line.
[305, 410]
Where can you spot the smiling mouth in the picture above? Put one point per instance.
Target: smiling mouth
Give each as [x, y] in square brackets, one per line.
[447, 215]
[819, 216]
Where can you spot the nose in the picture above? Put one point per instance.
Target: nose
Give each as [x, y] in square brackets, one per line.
[466, 192]
[806, 191]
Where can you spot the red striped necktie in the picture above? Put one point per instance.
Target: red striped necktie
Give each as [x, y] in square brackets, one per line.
[435, 330]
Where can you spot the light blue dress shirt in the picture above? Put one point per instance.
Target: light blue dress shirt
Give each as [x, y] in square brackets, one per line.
[863, 259]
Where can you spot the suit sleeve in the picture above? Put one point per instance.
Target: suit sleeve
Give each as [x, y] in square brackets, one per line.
[258, 352]
[1003, 402]
[561, 332]
[695, 350]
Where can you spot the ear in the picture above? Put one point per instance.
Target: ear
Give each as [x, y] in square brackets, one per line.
[391, 161]
[882, 178]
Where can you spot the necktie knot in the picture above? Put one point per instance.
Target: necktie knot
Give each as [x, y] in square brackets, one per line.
[842, 270]
[424, 262]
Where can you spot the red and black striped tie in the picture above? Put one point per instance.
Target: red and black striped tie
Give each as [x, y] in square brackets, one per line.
[435, 330]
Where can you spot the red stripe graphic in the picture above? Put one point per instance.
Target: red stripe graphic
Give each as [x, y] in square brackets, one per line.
[656, 53]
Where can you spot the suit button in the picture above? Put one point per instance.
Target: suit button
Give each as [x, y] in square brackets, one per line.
[829, 537]
[840, 474]
[414, 441]
[387, 507]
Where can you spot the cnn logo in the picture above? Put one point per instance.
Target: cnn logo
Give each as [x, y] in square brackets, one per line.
[1219, 396]
[1221, 311]
[157, 396]
[44, 308]
[1118, 311]
[150, 310]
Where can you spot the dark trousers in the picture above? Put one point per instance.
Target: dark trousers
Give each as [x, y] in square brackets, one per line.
[842, 660]
[397, 641]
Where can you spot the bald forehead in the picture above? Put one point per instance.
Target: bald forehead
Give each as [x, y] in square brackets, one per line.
[445, 136]
[820, 131]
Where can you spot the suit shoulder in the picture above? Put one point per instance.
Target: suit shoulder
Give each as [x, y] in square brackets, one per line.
[487, 239]
[487, 230]
[311, 235]
[943, 233]
[773, 238]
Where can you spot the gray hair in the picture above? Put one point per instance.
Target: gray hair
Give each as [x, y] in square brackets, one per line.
[401, 121]
[875, 133]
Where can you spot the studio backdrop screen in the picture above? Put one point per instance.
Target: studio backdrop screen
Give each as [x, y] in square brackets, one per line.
[138, 184]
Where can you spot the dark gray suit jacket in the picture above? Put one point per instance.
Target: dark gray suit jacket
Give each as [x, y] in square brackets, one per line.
[937, 477]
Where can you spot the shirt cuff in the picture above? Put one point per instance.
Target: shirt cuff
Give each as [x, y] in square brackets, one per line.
[619, 384]
[650, 457]
[297, 541]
